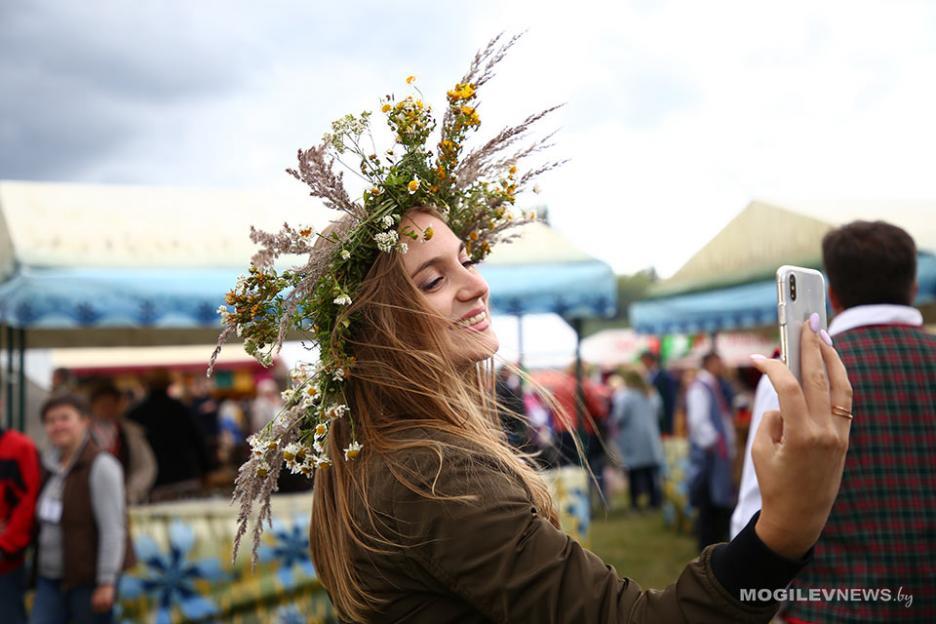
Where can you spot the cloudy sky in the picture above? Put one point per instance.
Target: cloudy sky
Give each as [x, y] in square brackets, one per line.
[677, 112]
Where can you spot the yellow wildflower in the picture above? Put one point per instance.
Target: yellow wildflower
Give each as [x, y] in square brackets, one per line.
[305, 232]
[461, 92]
[410, 79]
[512, 171]
[419, 104]
[375, 190]
[474, 235]
[312, 391]
[385, 108]
[427, 233]
[468, 110]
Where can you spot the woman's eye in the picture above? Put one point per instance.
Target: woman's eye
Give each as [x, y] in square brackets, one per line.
[469, 263]
[430, 285]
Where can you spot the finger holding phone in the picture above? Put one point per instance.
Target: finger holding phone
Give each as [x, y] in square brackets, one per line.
[799, 451]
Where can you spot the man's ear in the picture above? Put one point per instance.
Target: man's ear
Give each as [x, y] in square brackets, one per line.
[834, 301]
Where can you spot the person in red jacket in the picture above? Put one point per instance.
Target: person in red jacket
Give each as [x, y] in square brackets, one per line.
[19, 486]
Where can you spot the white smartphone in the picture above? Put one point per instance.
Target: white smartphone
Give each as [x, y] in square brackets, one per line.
[800, 292]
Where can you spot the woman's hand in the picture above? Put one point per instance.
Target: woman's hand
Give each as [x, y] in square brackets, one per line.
[102, 599]
[799, 452]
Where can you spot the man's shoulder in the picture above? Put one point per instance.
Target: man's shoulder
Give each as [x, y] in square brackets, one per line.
[15, 441]
[894, 340]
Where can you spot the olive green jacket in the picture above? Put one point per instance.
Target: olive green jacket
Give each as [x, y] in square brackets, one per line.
[497, 560]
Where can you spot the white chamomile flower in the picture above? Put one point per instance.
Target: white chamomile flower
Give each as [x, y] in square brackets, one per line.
[300, 373]
[387, 221]
[345, 254]
[353, 450]
[338, 375]
[386, 240]
[290, 453]
[342, 300]
[263, 470]
[403, 247]
[320, 430]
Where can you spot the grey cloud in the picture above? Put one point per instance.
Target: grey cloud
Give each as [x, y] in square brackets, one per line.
[86, 84]
[76, 82]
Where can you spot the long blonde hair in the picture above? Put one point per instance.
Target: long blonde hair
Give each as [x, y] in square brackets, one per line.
[404, 382]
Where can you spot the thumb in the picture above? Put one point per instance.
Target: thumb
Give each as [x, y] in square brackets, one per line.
[769, 433]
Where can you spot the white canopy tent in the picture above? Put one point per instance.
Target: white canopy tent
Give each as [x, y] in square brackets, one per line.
[121, 266]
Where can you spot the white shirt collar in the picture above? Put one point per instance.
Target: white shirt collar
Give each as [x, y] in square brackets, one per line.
[706, 377]
[879, 314]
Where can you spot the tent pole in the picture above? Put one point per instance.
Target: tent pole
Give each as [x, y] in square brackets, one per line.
[9, 377]
[579, 386]
[2, 415]
[520, 341]
[21, 416]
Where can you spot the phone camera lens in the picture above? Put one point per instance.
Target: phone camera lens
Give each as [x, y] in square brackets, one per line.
[793, 288]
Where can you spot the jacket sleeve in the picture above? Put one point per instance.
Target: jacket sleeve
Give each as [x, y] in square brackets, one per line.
[499, 555]
[110, 516]
[16, 535]
[142, 470]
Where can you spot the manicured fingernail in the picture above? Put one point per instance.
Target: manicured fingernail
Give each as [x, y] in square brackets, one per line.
[826, 338]
[757, 357]
[814, 322]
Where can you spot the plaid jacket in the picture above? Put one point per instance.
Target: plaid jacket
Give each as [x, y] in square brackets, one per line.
[882, 530]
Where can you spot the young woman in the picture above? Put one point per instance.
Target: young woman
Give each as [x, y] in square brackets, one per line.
[636, 410]
[422, 512]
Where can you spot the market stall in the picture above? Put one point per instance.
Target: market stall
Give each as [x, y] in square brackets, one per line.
[118, 267]
[729, 284]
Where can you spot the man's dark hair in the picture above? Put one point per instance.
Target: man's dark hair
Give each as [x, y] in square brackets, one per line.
[104, 389]
[708, 357]
[649, 355]
[70, 400]
[870, 262]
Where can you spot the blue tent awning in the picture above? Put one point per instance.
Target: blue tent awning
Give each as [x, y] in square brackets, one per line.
[59, 298]
[738, 307]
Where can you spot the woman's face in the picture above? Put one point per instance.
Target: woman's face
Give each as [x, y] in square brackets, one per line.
[65, 427]
[451, 284]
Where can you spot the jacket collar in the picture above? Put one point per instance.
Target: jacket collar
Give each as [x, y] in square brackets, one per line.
[879, 314]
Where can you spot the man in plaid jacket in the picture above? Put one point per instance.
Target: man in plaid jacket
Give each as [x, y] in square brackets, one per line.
[876, 559]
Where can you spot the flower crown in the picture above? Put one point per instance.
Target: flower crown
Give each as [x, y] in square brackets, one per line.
[473, 190]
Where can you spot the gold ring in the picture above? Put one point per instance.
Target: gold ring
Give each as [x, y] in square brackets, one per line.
[838, 410]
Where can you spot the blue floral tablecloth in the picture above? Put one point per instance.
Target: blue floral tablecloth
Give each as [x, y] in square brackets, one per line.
[185, 572]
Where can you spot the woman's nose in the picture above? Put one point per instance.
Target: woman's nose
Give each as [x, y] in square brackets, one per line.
[474, 286]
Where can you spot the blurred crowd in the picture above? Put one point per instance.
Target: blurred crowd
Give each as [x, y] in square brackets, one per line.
[621, 418]
[105, 448]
